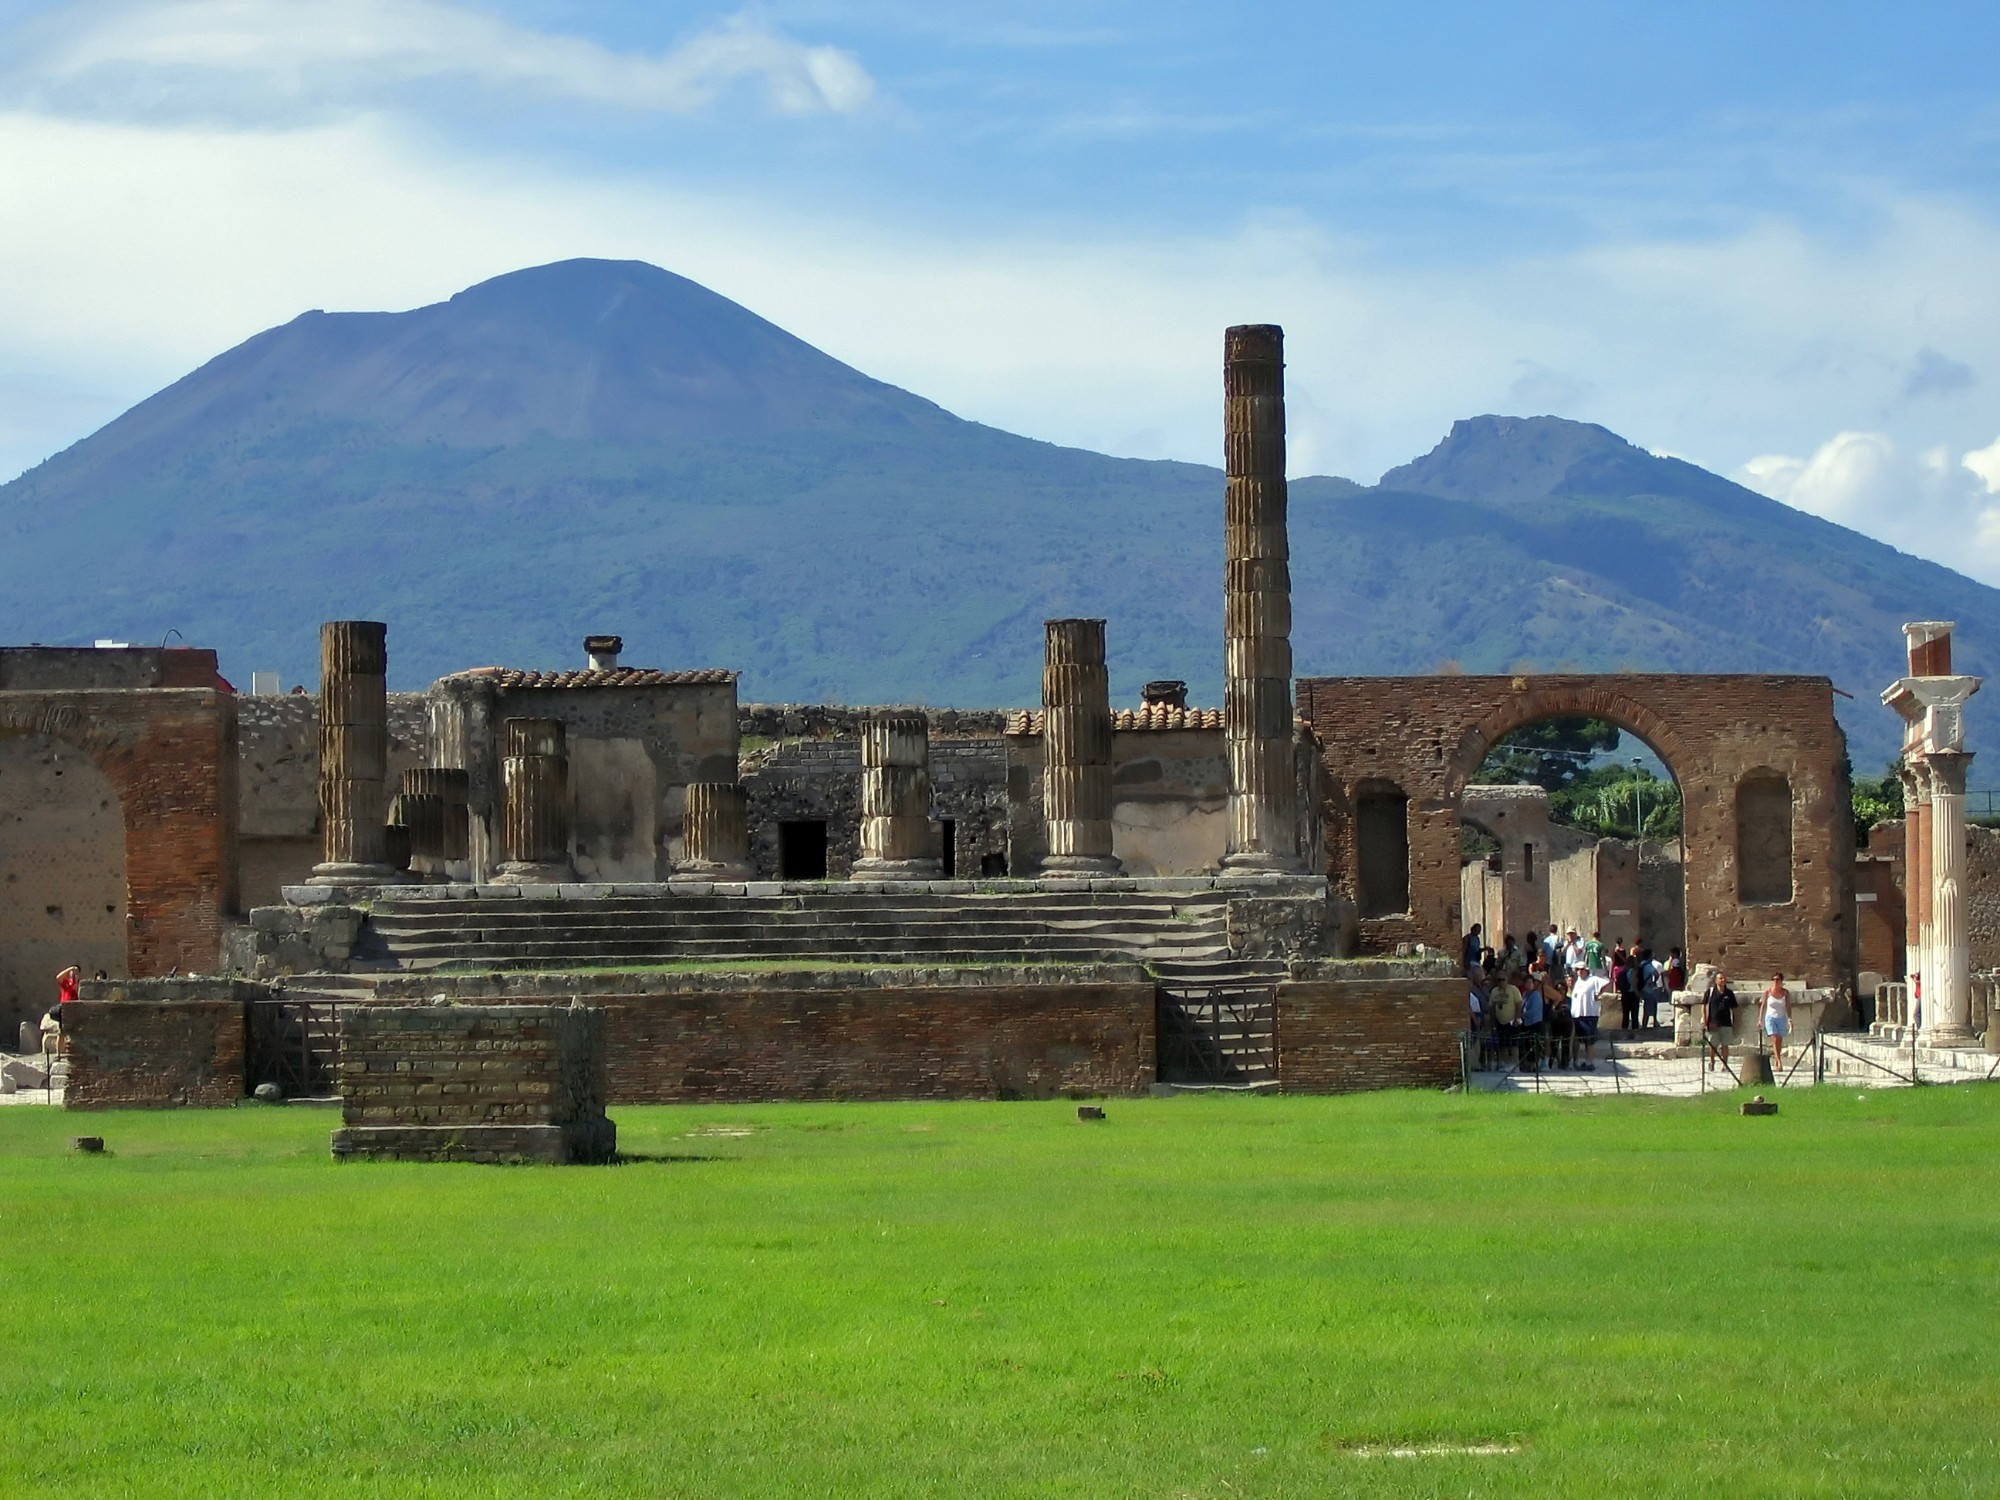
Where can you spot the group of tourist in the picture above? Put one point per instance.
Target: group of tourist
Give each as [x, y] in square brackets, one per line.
[1545, 1002]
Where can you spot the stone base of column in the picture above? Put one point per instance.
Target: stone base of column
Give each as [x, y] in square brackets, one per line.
[896, 869]
[1947, 1036]
[1248, 864]
[338, 874]
[534, 872]
[709, 871]
[1080, 867]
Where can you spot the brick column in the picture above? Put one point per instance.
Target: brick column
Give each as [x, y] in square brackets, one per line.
[715, 832]
[534, 775]
[1076, 750]
[1948, 983]
[1257, 607]
[896, 841]
[353, 752]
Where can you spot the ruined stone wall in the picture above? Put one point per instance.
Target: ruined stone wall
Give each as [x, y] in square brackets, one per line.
[765, 724]
[1982, 896]
[1879, 916]
[633, 751]
[170, 756]
[1339, 1036]
[473, 1083]
[820, 781]
[278, 783]
[1427, 735]
[1002, 1034]
[130, 1049]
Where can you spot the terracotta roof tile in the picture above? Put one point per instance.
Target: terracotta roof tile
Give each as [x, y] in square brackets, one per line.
[1154, 716]
[593, 677]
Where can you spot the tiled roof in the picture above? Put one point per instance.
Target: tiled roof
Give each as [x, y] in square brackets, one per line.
[593, 677]
[1154, 716]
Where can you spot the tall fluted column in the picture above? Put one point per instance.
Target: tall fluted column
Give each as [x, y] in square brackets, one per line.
[1917, 866]
[896, 842]
[534, 778]
[1257, 607]
[1948, 986]
[353, 752]
[1076, 751]
[715, 832]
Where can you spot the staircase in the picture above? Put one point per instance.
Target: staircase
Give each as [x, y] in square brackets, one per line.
[1182, 937]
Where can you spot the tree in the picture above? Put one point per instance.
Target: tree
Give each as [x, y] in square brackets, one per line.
[1551, 754]
[1877, 801]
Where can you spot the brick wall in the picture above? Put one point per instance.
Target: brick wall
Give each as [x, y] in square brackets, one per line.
[171, 756]
[1339, 1036]
[155, 1054]
[1428, 735]
[839, 1036]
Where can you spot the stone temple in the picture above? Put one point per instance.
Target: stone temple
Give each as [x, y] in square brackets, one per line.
[814, 901]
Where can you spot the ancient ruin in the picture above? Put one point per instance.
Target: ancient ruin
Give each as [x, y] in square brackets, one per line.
[924, 902]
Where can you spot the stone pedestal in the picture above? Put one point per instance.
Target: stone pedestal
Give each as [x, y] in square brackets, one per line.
[1948, 985]
[715, 833]
[896, 842]
[1076, 745]
[1257, 608]
[535, 803]
[353, 753]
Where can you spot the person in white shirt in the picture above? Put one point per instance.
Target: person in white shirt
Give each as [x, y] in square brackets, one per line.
[1586, 1005]
[1576, 958]
[1778, 1017]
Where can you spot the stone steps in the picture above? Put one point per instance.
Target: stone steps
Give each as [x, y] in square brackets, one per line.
[1186, 933]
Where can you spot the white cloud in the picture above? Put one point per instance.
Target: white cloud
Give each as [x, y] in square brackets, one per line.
[262, 60]
[1920, 501]
[1985, 463]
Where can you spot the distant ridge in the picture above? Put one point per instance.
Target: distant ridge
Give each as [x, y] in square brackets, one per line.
[603, 445]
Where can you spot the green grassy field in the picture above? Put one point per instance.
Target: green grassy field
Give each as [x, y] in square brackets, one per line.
[1200, 1296]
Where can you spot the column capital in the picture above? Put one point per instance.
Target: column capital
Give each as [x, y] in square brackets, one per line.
[1948, 771]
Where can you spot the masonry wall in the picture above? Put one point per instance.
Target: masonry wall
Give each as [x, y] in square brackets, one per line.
[820, 781]
[1340, 1036]
[155, 1054]
[690, 1038]
[278, 783]
[170, 756]
[471, 1065]
[1427, 735]
[633, 752]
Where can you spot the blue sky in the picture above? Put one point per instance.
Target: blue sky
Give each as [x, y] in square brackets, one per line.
[1761, 237]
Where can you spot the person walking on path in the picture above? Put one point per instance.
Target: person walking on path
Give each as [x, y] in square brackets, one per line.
[1777, 1017]
[1718, 1020]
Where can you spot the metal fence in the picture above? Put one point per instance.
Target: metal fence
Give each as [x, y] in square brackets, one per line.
[1217, 1036]
[294, 1044]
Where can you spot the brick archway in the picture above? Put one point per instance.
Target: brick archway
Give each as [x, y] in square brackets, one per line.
[170, 754]
[1429, 734]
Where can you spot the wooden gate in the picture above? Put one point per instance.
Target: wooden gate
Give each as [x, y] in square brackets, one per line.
[1219, 1036]
[294, 1044]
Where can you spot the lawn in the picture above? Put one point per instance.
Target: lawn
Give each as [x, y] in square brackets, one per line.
[1199, 1296]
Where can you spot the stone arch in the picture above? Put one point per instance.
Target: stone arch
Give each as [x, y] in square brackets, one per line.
[62, 869]
[1567, 701]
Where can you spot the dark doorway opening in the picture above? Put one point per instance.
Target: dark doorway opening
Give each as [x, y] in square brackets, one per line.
[802, 850]
[992, 864]
[948, 847]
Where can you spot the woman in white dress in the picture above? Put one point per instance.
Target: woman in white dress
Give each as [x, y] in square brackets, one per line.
[1777, 1017]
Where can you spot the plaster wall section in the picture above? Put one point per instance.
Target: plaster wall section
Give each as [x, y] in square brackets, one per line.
[1427, 735]
[1170, 799]
[634, 750]
[62, 872]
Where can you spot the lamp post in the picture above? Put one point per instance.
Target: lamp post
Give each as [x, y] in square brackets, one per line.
[1638, 808]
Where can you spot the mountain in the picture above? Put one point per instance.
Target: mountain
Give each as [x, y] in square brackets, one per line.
[604, 446]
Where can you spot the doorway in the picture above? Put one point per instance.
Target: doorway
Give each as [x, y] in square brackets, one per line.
[802, 849]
